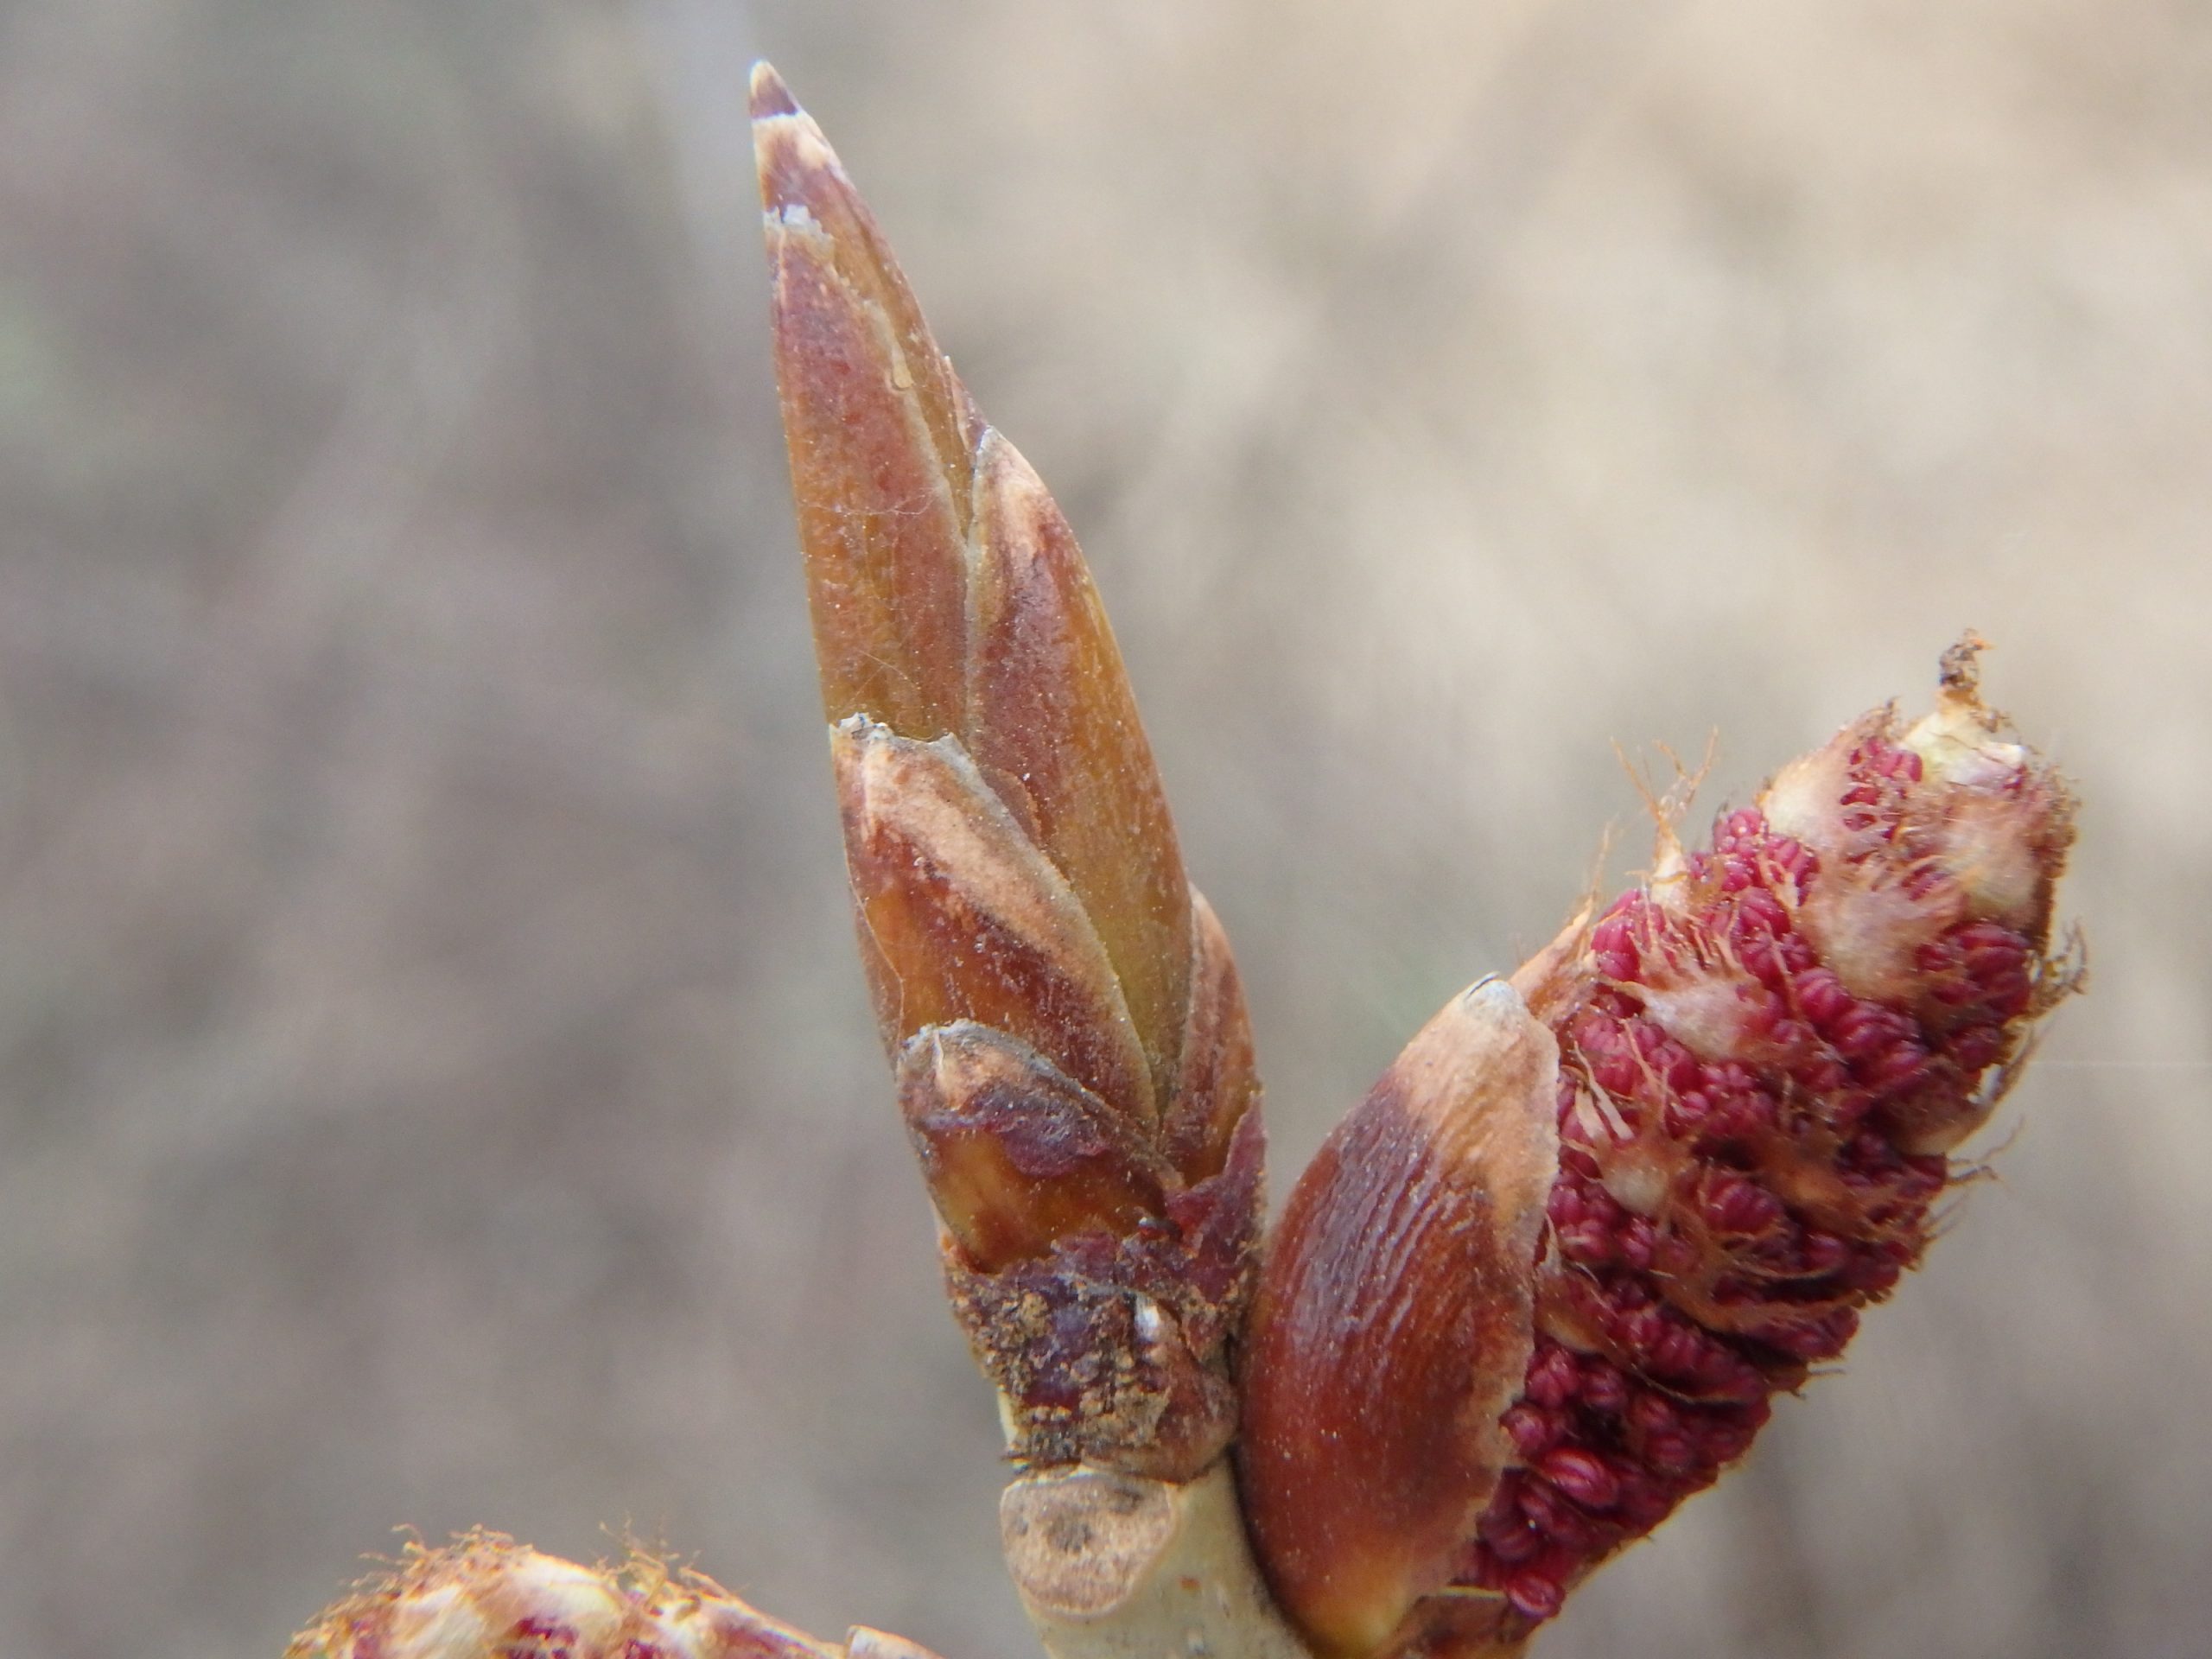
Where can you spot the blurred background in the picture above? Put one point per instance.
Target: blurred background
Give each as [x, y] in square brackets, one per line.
[435, 1086]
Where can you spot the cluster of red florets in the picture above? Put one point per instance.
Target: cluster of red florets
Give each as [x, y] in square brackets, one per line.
[1719, 1217]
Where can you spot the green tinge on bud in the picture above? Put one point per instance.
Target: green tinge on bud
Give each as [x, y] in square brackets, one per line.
[486, 1597]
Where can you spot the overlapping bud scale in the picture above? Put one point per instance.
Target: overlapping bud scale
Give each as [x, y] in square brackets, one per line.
[1767, 1053]
[1073, 1058]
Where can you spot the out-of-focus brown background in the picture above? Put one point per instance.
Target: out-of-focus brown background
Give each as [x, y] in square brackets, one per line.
[435, 1082]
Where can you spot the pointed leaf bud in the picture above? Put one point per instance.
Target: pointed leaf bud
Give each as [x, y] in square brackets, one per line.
[949, 596]
[1074, 1059]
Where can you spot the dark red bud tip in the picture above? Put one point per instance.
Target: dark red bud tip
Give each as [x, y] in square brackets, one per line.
[770, 96]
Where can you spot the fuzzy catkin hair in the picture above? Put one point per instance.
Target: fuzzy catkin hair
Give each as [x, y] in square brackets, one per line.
[1767, 1055]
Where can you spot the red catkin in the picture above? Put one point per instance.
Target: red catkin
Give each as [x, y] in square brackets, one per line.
[1767, 1054]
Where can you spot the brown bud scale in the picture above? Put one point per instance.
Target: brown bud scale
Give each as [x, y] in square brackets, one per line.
[1113, 1348]
[1394, 1319]
[1073, 1060]
[1767, 1054]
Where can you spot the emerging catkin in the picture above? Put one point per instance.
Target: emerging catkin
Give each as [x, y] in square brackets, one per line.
[486, 1597]
[1766, 1055]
